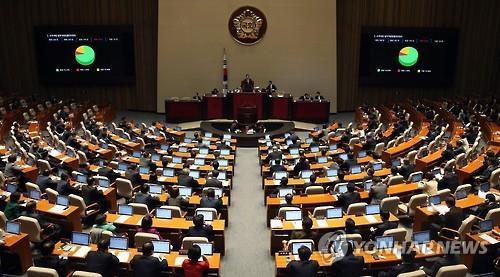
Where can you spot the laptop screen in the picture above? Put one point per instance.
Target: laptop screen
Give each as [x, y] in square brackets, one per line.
[204, 151]
[164, 147]
[177, 160]
[396, 162]
[34, 194]
[161, 246]
[362, 154]
[294, 151]
[122, 166]
[143, 170]
[223, 162]
[435, 199]
[485, 187]
[222, 176]
[80, 178]
[368, 185]
[62, 200]
[224, 152]
[284, 191]
[343, 157]
[226, 136]
[155, 157]
[331, 172]
[195, 174]
[297, 245]
[314, 149]
[124, 209]
[169, 172]
[485, 225]
[384, 242]
[305, 174]
[278, 175]
[206, 248]
[11, 188]
[13, 227]
[207, 215]
[103, 183]
[333, 147]
[185, 191]
[293, 215]
[80, 238]
[377, 166]
[422, 237]
[164, 213]
[342, 188]
[417, 177]
[334, 213]
[183, 149]
[188, 140]
[120, 243]
[372, 209]
[309, 140]
[288, 142]
[208, 134]
[136, 154]
[322, 159]
[461, 194]
[155, 189]
[199, 161]
[355, 169]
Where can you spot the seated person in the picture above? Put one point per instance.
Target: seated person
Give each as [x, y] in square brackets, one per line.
[12, 209]
[192, 266]
[175, 199]
[407, 264]
[213, 181]
[211, 201]
[306, 97]
[101, 261]
[288, 202]
[147, 226]
[64, 188]
[277, 166]
[319, 97]
[45, 181]
[384, 226]
[452, 219]
[350, 226]
[11, 169]
[446, 260]
[143, 197]
[303, 164]
[48, 260]
[306, 232]
[101, 223]
[303, 267]
[350, 265]
[429, 184]
[47, 227]
[185, 180]
[200, 229]
[449, 181]
[406, 169]
[378, 191]
[283, 184]
[133, 175]
[146, 265]
[349, 197]
[489, 205]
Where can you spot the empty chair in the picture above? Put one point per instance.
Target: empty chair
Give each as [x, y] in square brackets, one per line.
[314, 190]
[31, 227]
[379, 148]
[282, 210]
[411, 156]
[82, 157]
[140, 238]
[353, 141]
[43, 165]
[495, 178]
[141, 142]
[79, 273]
[30, 186]
[139, 208]
[356, 208]
[85, 211]
[35, 271]
[465, 227]
[413, 204]
[390, 204]
[51, 195]
[124, 188]
[399, 234]
[417, 273]
[460, 160]
[395, 180]
[391, 143]
[320, 211]
[494, 215]
[187, 242]
[450, 163]
[444, 193]
[176, 211]
[466, 187]
[453, 271]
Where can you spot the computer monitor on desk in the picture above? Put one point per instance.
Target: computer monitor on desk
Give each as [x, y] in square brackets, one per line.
[384, 242]
[206, 248]
[485, 226]
[80, 238]
[118, 243]
[297, 245]
[423, 237]
[161, 246]
[293, 215]
[124, 209]
[334, 213]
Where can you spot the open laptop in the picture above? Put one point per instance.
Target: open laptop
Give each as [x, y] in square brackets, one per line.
[293, 151]
[222, 176]
[332, 147]
[435, 200]
[168, 172]
[309, 140]
[34, 194]
[176, 160]
[124, 209]
[362, 154]
[164, 147]
[355, 169]
[293, 215]
[372, 209]
[199, 162]
[118, 243]
[314, 149]
[460, 194]
[377, 166]
[223, 162]
[305, 174]
[421, 239]
[143, 170]
[331, 172]
[185, 191]
[344, 157]
[322, 159]
[278, 175]
[207, 215]
[13, 227]
[80, 238]
[122, 166]
[161, 246]
[334, 213]
[164, 213]
[342, 189]
[103, 183]
[297, 245]
[11, 188]
[204, 151]
[183, 149]
[155, 189]
[284, 191]
[155, 157]
[207, 248]
[136, 154]
[485, 225]
[396, 162]
[415, 178]
[62, 200]
[384, 242]
[81, 179]
[224, 152]
[367, 185]
[195, 174]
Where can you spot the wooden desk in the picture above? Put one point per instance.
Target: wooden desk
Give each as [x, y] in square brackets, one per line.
[311, 201]
[423, 215]
[475, 261]
[70, 218]
[467, 171]
[71, 162]
[19, 245]
[125, 143]
[425, 163]
[405, 147]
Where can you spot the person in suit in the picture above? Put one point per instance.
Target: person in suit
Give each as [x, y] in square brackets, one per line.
[306, 97]
[144, 197]
[406, 169]
[452, 219]
[277, 166]
[211, 201]
[44, 181]
[175, 199]
[350, 265]
[101, 261]
[64, 188]
[200, 229]
[283, 184]
[304, 267]
[303, 164]
[349, 197]
[185, 180]
[350, 226]
[489, 205]
[378, 191]
[247, 84]
[446, 260]
[407, 264]
[384, 226]
[133, 175]
[275, 154]
[11, 169]
[449, 180]
[213, 181]
[146, 265]
[107, 172]
[318, 96]
[192, 266]
[306, 232]
[271, 87]
[48, 260]
[447, 154]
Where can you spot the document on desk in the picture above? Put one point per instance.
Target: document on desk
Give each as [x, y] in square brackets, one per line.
[332, 179]
[297, 224]
[424, 249]
[122, 218]
[276, 224]
[179, 260]
[123, 256]
[225, 183]
[170, 165]
[82, 252]
[201, 156]
[276, 182]
[322, 223]
[371, 218]
[488, 238]
[441, 209]
[57, 209]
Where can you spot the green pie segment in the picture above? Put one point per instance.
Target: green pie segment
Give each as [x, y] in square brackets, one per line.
[408, 56]
[85, 55]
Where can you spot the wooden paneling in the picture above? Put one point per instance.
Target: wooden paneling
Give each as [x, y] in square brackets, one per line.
[18, 70]
[478, 58]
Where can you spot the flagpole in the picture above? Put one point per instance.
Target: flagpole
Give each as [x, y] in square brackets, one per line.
[224, 73]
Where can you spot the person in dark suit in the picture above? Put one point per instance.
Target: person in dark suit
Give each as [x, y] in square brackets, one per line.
[211, 201]
[64, 188]
[48, 260]
[318, 96]
[146, 265]
[144, 197]
[350, 265]
[185, 180]
[44, 181]
[384, 226]
[277, 166]
[306, 232]
[350, 226]
[449, 180]
[406, 169]
[304, 267]
[349, 197]
[247, 84]
[306, 97]
[213, 181]
[200, 229]
[101, 261]
[133, 175]
[303, 164]
[378, 191]
[452, 219]
[175, 199]
[271, 87]
[489, 205]
[108, 172]
[275, 154]
[447, 154]
[447, 260]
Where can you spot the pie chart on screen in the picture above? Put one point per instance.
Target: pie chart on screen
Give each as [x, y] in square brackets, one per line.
[408, 56]
[85, 55]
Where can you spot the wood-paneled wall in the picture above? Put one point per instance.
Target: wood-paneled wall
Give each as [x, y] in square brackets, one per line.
[477, 70]
[18, 69]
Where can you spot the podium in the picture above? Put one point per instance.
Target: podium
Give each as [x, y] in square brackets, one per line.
[281, 107]
[249, 99]
[214, 106]
[311, 111]
[183, 110]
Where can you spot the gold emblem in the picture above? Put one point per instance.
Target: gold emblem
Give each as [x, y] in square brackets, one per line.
[247, 25]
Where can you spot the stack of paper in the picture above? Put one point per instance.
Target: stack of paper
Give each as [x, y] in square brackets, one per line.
[297, 224]
[371, 219]
[179, 260]
[276, 224]
[488, 238]
[82, 252]
[122, 218]
[123, 256]
[322, 223]
[57, 209]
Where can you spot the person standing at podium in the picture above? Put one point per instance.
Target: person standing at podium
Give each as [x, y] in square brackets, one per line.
[271, 87]
[247, 84]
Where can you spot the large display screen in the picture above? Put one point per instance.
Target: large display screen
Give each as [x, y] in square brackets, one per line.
[407, 57]
[85, 55]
